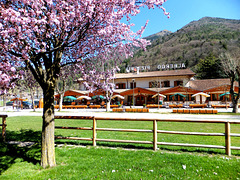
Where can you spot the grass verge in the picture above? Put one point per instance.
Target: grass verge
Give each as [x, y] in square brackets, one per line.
[75, 162]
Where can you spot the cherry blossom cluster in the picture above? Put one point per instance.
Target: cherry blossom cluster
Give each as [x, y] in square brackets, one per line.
[99, 72]
[8, 76]
[32, 30]
[94, 79]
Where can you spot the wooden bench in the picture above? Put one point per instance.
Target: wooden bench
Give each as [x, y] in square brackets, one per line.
[94, 106]
[197, 105]
[175, 106]
[195, 111]
[71, 106]
[4, 125]
[153, 106]
[220, 106]
[118, 110]
[136, 110]
[67, 106]
[112, 106]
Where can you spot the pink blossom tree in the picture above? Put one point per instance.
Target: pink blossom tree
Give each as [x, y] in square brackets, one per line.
[67, 72]
[99, 78]
[8, 76]
[29, 83]
[46, 35]
[99, 73]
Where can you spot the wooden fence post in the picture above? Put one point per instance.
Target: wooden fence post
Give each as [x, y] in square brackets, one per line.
[227, 139]
[154, 135]
[94, 131]
[4, 128]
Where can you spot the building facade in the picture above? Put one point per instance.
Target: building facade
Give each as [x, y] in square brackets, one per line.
[174, 86]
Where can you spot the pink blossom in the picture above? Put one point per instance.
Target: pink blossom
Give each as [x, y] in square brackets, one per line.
[89, 30]
[7, 76]
[13, 69]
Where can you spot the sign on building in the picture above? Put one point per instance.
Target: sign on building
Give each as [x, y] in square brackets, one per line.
[171, 66]
[159, 67]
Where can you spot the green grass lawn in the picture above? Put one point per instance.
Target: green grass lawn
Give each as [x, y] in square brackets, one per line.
[101, 162]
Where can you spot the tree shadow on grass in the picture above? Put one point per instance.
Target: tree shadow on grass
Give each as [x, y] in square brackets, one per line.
[16, 148]
[105, 144]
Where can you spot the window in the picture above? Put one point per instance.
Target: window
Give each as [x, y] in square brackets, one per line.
[178, 83]
[162, 83]
[166, 84]
[214, 97]
[131, 85]
[150, 100]
[150, 84]
[121, 86]
[154, 84]
[130, 100]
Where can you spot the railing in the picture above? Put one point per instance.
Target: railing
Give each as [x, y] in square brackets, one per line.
[155, 131]
[4, 125]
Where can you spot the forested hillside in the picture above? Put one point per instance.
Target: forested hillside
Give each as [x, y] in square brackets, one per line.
[207, 37]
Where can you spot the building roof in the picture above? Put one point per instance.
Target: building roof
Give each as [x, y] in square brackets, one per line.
[179, 89]
[72, 92]
[205, 84]
[167, 73]
[157, 89]
[178, 72]
[138, 90]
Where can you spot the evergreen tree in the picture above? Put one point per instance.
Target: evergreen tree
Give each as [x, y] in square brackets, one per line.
[209, 68]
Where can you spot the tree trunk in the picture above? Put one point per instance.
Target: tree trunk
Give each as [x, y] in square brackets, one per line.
[32, 97]
[108, 106]
[234, 98]
[235, 106]
[61, 94]
[60, 101]
[48, 149]
[4, 102]
[108, 101]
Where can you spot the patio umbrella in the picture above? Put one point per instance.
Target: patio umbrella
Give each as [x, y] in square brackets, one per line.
[18, 99]
[98, 96]
[178, 94]
[202, 94]
[227, 93]
[69, 98]
[83, 97]
[159, 95]
[118, 96]
[224, 94]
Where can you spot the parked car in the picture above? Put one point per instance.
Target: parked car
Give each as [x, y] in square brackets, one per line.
[9, 103]
[27, 105]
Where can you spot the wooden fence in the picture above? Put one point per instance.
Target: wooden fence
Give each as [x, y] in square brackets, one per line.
[155, 131]
[4, 125]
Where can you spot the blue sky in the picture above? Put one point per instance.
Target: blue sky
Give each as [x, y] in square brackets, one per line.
[183, 12]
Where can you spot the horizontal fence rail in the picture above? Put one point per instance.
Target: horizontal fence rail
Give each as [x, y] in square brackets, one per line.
[4, 125]
[154, 131]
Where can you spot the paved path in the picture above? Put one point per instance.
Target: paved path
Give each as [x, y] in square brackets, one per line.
[154, 113]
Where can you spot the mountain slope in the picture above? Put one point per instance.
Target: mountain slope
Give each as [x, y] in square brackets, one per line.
[191, 43]
[158, 35]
